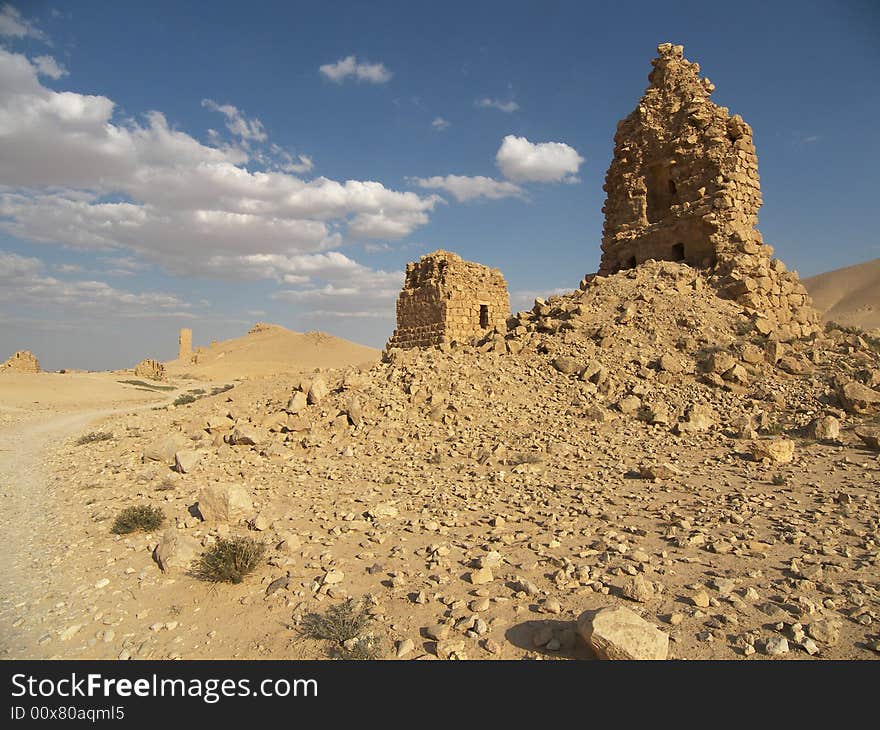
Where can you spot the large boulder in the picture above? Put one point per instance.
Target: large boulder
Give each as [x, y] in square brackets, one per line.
[186, 460]
[164, 448]
[778, 451]
[318, 391]
[175, 550]
[619, 633]
[224, 502]
[870, 435]
[858, 398]
[245, 434]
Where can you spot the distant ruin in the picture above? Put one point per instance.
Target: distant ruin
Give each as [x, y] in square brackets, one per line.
[446, 299]
[152, 369]
[184, 351]
[23, 361]
[683, 186]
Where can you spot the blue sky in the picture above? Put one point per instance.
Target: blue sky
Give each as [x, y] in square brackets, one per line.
[214, 164]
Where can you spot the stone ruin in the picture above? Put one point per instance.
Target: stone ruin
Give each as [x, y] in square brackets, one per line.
[23, 361]
[152, 369]
[446, 299]
[185, 341]
[683, 186]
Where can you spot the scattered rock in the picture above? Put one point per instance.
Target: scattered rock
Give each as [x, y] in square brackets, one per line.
[619, 633]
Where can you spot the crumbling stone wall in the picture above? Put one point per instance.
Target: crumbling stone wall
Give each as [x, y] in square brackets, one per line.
[23, 361]
[683, 186]
[152, 369]
[185, 341]
[446, 299]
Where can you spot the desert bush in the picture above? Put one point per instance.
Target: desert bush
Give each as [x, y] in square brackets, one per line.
[779, 480]
[182, 400]
[345, 626]
[141, 517]
[94, 437]
[221, 389]
[144, 384]
[230, 560]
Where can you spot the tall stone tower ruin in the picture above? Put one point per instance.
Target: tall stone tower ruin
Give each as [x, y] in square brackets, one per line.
[185, 341]
[446, 299]
[683, 186]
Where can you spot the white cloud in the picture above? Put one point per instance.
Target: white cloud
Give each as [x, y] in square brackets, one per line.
[238, 123]
[74, 176]
[464, 188]
[68, 268]
[373, 73]
[440, 124]
[346, 287]
[505, 106]
[24, 282]
[14, 25]
[48, 66]
[523, 161]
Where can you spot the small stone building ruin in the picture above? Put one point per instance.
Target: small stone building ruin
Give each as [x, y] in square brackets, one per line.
[683, 186]
[185, 341]
[446, 299]
[23, 361]
[152, 369]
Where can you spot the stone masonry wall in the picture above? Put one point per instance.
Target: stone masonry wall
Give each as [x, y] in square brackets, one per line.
[683, 185]
[185, 340]
[23, 361]
[446, 299]
[152, 369]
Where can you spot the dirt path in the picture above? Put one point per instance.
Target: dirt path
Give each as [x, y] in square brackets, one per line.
[36, 588]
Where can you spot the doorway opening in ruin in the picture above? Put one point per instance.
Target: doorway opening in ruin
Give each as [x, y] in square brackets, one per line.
[678, 252]
[630, 263]
[484, 316]
[662, 192]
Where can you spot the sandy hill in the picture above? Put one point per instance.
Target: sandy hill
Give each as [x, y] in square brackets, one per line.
[850, 296]
[270, 349]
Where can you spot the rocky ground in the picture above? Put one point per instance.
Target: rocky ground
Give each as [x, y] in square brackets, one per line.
[635, 444]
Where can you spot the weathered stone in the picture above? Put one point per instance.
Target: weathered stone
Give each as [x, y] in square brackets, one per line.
[638, 589]
[164, 448]
[175, 550]
[23, 361]
[619, 633]
[870, 435]
[297, 402]
[779, 451]
[683, 186]
[184, 345]
[185, 460]
[223, 502]
[318, 391]
[566, 365]
[446, 299]
[152, 369]
[824, 428]
[858, 398]
[244, 434]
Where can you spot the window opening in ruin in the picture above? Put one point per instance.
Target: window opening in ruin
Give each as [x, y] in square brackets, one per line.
[678, 252]
[662, 192]
[484, 316]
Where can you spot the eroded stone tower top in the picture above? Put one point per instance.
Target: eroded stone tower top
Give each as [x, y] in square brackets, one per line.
[683, 186]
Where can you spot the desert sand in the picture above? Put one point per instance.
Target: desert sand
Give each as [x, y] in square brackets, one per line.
[270, 349]
[479, 498]
[850, 296]
[675, 460]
